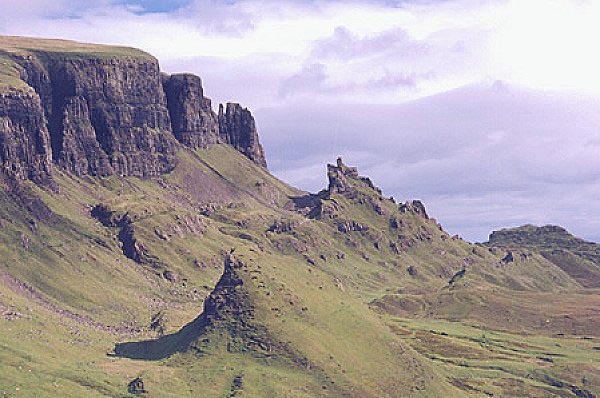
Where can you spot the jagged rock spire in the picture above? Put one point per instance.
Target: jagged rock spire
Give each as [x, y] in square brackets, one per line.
[238, 129]
[337, 176]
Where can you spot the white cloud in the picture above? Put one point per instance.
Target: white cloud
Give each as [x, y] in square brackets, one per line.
[438, 45]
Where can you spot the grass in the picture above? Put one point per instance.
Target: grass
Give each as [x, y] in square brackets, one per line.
[27, 45]
[575, 256]
[502, 363]
[312, 304]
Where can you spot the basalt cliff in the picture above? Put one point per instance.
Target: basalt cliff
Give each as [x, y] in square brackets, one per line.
[108, 111]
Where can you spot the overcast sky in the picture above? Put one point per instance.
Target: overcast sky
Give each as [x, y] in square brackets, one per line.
[489, 111]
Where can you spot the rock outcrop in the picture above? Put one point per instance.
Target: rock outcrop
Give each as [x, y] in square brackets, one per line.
[193, 121]
[337, 175]
[81, 152]
[106, 115]
[195, 125]
[238, 129]
[25, 151]
[416, 206]
[126, 109]
[228, 321]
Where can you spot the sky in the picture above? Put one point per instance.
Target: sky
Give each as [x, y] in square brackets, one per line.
[488, 111]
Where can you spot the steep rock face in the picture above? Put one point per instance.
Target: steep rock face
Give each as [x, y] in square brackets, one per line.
[193, 121]
[237, 128]
[24, 140]
[81, 152]
[104, 109]
[416, 207]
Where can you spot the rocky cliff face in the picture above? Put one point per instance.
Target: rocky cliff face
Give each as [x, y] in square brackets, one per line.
[196, 125]
[193, 121]
[24, 140]
[237, 128]
[103, 114]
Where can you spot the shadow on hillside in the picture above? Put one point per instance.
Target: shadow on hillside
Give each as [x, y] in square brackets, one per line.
[163, 347]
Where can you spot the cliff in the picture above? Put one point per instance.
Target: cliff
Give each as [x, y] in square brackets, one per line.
[106, 112]
[238, 129]
[192, 118]
[101, 110]
[24, 139]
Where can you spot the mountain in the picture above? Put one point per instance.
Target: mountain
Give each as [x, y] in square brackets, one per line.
[146, 250]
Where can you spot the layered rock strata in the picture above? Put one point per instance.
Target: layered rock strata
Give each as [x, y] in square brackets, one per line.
[105, 116]
[25, 151]
[238, 129]
[193, 121]
[106, 113]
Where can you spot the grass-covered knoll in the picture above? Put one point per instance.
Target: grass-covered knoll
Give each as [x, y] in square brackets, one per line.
[113, 286]
[578, 257]
[9, 75]
[545, 237]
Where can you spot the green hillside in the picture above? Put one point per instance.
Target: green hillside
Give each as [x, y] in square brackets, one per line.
[205, 275]
[104, 282]
[577, 257]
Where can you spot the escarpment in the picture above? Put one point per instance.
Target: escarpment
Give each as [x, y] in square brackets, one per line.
[105, 115]
[105, 111]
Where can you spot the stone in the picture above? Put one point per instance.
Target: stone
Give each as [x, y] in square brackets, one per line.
[116, 115]
[238, 129]
[509, 258]
[338, 174]
[412, 271]
[416, 207]
[81, 152]
[171, 276]
[193, 121]
[136, 386]
[25, 151]
[105, 112]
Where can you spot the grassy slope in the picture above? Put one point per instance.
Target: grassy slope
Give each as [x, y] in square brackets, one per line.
[303, 291]
[577, 257]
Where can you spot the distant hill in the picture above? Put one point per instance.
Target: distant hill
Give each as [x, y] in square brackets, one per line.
[577, 257]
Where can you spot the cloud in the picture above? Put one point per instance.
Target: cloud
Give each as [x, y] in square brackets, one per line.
[482, 157]
[313, 81]
[391, 85]
[344, 45]
[312, 78]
